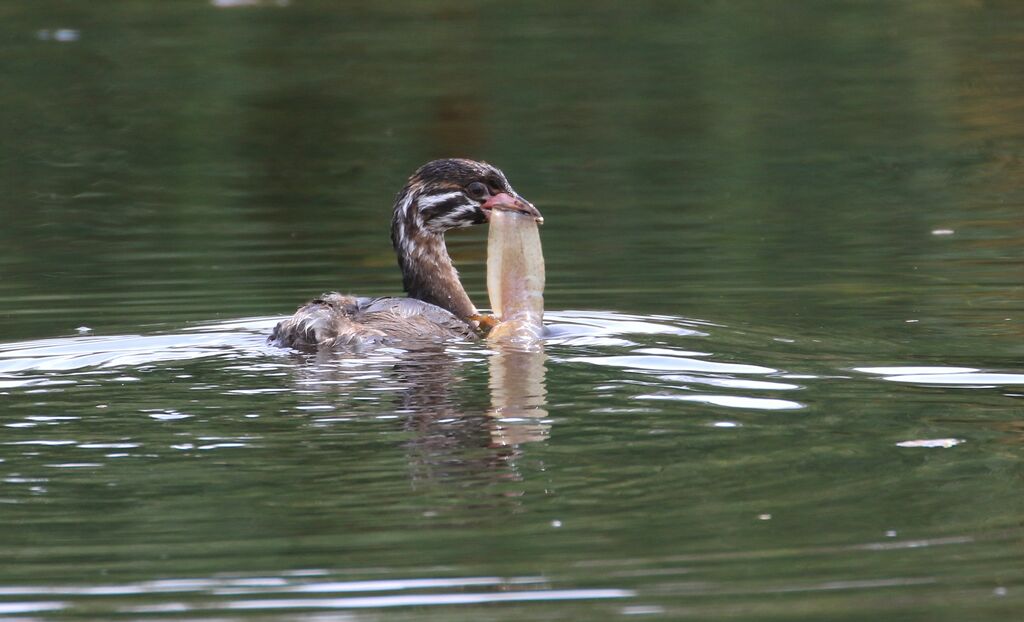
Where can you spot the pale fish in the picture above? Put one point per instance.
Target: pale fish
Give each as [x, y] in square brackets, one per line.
[515, 276]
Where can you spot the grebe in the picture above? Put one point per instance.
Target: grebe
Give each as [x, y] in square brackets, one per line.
[440, 195]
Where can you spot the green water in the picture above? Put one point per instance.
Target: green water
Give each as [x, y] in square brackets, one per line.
[785, 290]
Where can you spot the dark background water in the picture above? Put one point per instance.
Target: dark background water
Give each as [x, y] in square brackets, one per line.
[823, 200]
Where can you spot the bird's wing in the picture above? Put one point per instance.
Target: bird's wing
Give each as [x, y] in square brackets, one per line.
[418, 316]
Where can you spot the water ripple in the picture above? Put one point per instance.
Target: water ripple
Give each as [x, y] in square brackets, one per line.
[729, 401]
[949, 376]
[667, 363]
[504, 589]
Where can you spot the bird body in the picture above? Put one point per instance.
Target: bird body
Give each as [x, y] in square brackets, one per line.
[440, 195]
[336, 321]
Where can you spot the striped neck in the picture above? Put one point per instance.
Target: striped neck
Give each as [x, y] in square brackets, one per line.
[427, 270]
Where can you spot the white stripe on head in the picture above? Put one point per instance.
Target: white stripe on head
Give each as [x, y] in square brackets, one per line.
[426, 202]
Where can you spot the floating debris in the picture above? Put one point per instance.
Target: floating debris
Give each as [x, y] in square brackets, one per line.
[61, 35]
[944, 443]
[231, 4]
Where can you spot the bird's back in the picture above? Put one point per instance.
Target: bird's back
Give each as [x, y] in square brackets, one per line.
[336, 321]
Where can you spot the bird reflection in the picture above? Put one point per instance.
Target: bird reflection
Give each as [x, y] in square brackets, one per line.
[456, 431]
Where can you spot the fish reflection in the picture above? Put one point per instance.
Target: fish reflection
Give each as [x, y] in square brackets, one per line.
[454, 438]
[518, 395]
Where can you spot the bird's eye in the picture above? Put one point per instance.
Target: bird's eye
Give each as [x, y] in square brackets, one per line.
[477, 190]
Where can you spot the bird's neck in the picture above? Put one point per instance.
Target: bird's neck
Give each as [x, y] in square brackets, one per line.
[428, 274]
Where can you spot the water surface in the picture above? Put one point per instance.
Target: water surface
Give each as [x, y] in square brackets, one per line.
[783, 379]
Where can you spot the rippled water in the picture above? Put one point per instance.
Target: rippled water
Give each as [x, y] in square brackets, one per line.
[783, 374]
[630, 466]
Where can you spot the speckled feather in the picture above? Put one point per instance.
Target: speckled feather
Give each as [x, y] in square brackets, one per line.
[336, 321]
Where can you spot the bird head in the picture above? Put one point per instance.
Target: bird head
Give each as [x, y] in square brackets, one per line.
[452, 193]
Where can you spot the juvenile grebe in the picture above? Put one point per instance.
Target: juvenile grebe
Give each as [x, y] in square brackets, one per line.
[441, 195]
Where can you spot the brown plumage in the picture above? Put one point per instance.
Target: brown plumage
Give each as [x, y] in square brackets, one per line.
[441, 195]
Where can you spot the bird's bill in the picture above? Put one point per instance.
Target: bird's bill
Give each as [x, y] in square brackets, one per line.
[511, 203]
